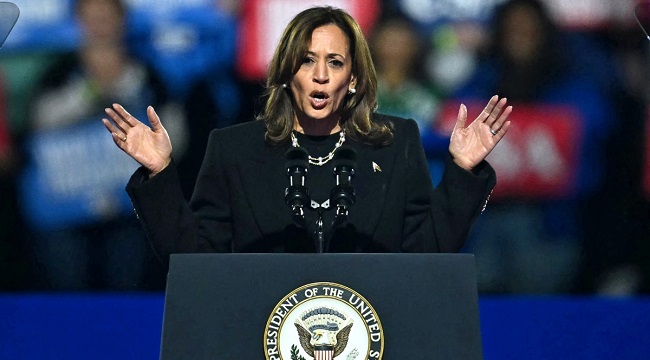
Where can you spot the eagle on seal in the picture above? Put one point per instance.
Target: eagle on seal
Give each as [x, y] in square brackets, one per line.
[323, 329]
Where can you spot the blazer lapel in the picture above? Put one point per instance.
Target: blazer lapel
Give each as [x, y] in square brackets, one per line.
[264, 179]
[371, 181]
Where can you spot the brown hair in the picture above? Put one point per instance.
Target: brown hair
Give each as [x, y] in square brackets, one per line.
[356, 109]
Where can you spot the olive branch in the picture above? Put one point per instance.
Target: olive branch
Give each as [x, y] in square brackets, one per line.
[295, 353]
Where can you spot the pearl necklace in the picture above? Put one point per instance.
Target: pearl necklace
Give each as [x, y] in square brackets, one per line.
[320, 161]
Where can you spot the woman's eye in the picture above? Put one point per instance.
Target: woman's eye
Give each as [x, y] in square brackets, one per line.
[337, 63]
[307, 60]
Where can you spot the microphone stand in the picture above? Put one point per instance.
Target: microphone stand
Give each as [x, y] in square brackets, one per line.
[320, 235]
[341, 214]
[321, 241]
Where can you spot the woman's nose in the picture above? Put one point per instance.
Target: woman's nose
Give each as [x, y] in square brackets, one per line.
[321, 74]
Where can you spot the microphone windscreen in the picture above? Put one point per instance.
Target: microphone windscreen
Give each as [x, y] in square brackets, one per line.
[345, 156]
[297, 156]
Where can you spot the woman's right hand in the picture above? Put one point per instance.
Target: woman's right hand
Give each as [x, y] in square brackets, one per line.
[151, 147]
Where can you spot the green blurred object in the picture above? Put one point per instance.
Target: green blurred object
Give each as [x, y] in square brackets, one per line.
[21, 73]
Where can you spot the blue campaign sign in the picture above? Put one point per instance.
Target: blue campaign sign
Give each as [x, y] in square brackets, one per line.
[74, 176]
[184, 40]
[158, 7]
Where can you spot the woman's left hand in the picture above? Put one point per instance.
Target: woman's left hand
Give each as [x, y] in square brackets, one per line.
[470, 145]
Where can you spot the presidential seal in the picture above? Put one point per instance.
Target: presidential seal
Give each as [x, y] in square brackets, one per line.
[323, 321]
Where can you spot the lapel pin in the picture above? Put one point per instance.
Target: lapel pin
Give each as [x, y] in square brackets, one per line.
[375, 167]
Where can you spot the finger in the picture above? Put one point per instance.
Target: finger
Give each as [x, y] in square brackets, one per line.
[113, 129]
[501, 132]
[118, 120]
[502, 119]
[119, 137]
[109, 125]
[496, 110]
[496, 125]
[488, 108]
[128, 118]
[154, 119]
[462, 117]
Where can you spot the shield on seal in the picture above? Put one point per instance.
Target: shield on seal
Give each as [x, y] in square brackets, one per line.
[323, 353]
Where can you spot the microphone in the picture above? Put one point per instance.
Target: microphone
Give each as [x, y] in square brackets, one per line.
[297, 195]
[342, 196]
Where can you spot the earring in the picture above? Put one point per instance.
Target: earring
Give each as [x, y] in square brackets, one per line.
[284, 86]
[352, 91]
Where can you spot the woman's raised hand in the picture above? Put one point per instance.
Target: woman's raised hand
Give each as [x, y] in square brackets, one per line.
[151, 147]
[470, 145]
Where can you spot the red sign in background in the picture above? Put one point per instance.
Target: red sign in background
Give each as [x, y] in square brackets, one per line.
[263, 21]
[539, 158]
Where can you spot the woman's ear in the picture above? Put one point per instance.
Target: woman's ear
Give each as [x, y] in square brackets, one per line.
[353, 82]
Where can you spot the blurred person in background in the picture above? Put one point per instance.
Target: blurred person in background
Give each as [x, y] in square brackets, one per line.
[403, 89]
[83, 232]
[528, 244]
[617, 252]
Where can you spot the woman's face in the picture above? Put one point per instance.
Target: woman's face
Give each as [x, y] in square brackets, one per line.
[322, 82]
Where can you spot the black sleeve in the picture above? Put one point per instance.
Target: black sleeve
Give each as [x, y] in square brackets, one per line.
[458, 200]
[440, 219]
[174, 226]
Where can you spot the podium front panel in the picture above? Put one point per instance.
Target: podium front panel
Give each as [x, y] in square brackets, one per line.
[217, 306]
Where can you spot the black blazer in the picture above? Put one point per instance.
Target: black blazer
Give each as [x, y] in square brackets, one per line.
[238, 201]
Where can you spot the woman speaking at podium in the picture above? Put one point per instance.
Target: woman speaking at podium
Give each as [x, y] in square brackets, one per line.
[253, 194]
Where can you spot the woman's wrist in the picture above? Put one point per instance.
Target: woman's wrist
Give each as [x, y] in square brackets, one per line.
[158, 170]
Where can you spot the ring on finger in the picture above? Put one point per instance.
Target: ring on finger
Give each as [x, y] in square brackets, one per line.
[494, 132]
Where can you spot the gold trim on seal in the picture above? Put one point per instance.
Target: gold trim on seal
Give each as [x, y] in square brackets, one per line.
[348, 298]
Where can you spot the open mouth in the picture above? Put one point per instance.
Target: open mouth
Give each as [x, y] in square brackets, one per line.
[318, 98]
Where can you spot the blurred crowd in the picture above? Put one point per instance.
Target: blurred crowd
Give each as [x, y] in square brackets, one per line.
[570, 211]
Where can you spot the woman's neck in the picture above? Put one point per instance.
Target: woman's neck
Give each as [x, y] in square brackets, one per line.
[316, 127]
